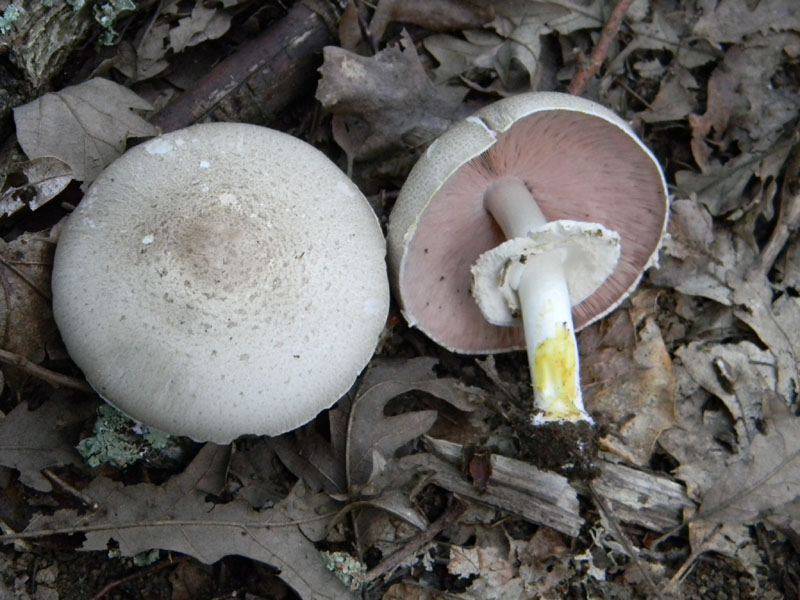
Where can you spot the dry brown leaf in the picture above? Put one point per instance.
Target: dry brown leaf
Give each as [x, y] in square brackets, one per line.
[468, 55]
[177, 516]
[788, 523]
[658, 33]
[699, 254]
[147, 58]
[373, 435]
[731, 20]
[362, 436]
[544, 563]
[408, 591]
[26, 320]
[255, 475]
[776, 323]
[765, 478]
[357, 465]
[491, 566]
[627, 376]
[434, 15]
[510, 45]
[32, 440]
[698, 441]
[33, 184]
[733, 541]
[722, 188]
[789, 265]
[516, 63]
[720, 105]
[745, 116]
[84, 125]
[676, 98]
[384, 106]
[203, 24]
[563, 16]
[738, 374]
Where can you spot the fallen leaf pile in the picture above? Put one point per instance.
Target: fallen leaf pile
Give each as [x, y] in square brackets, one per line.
[412, 485]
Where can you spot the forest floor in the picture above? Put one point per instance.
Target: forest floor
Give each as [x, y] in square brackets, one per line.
[421, 483]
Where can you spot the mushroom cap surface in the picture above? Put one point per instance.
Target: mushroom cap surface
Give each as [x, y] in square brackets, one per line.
[580, 161]
[221, 280]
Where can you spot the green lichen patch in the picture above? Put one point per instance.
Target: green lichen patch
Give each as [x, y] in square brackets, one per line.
[119, 441]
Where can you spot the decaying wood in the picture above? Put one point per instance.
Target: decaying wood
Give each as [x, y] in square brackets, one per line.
[515, 486]
[263, 76]
[636, 497]
[652, 501]
[41, 41]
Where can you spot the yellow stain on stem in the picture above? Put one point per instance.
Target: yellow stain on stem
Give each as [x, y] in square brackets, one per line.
[555, 376]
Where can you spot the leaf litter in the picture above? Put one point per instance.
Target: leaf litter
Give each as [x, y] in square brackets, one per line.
[698, 372]
[178, 516]
[85, 125]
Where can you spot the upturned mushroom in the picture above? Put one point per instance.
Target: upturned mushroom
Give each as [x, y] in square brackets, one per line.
[221, 280]
[533, 218]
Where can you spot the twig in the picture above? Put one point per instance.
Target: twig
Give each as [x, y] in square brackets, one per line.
[263, 76]
[590, 68]
[450, 515]
[52, 377]
[170, 562]
[83, 498]
[185, 523]
[42, 292]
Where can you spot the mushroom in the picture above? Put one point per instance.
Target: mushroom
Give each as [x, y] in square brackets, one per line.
[533, 218]
[221, 280]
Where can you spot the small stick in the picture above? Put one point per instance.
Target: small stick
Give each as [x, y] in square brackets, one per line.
[52, 377]
[450, 515]
[590, 68]
[86, 500]
[263, 76]
[42, 292]
[170, 562]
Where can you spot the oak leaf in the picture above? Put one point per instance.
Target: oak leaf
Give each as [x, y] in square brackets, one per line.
[84, 125]
[32, 440]
[179, 516]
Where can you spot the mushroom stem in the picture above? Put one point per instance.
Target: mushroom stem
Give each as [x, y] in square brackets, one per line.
[545, 306]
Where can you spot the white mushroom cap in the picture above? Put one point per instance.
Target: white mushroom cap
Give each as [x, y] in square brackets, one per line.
[590, 255]
[580, 162]
[221, 280]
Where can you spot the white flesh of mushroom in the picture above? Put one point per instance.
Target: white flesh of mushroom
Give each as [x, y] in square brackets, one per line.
[539, 274]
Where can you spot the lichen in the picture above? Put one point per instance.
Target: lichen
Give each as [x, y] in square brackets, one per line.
[9, 17]
[350, 571]
[119, 441]
[107, 13]
[147, 558]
